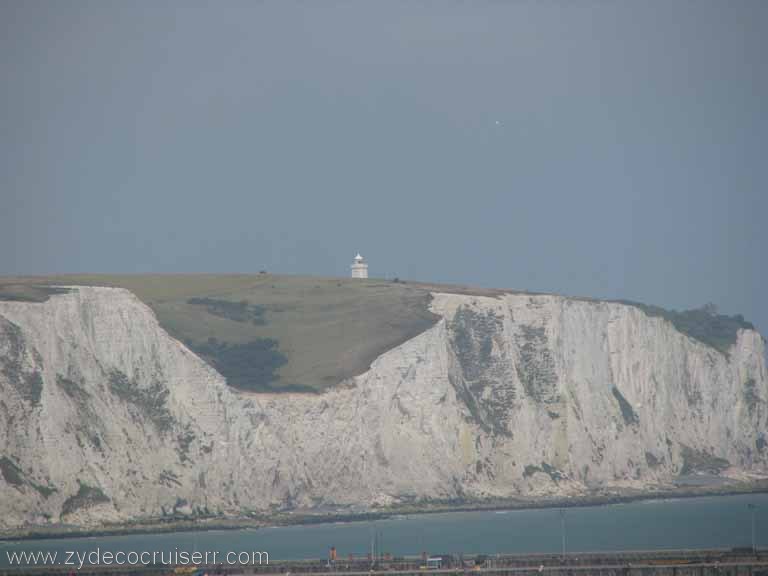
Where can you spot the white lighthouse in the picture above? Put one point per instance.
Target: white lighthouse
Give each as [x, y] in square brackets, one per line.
[359, 267]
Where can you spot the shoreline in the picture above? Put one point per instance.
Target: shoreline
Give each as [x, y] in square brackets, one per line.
[308, 518]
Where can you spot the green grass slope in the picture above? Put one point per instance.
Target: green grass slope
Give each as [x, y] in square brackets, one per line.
[265, 332]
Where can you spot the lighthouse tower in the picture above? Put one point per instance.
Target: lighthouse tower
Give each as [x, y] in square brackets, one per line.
[359, 267]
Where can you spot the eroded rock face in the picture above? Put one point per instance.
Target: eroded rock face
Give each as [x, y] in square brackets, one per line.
[104, 417]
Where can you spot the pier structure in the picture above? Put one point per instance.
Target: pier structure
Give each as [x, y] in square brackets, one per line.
[733, 562]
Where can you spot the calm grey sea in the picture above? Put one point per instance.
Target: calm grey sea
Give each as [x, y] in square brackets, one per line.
[710, 522]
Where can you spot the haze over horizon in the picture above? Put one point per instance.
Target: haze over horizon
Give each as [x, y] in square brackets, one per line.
[613, 150]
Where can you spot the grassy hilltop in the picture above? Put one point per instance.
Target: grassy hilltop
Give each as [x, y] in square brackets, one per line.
[266, 332]
[304, 334]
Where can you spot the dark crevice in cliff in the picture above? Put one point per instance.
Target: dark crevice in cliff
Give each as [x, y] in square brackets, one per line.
[485, 386]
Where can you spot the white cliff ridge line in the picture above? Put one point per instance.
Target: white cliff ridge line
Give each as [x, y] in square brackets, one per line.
[105, 417]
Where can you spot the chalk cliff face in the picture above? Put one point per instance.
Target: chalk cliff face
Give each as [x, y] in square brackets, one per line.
[105, 417]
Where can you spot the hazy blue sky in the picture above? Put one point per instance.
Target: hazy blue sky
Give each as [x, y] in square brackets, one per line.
[629, 159]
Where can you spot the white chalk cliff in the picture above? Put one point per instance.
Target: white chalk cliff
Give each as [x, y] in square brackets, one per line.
[104, 417]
